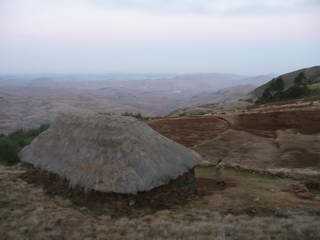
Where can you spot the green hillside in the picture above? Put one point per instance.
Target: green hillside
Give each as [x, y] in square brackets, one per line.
[295, 85]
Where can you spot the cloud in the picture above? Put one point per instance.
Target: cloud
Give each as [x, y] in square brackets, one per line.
[214, 6]
[154, 35]
[172, 7]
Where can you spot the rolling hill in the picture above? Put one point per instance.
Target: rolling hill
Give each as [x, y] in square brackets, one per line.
[294, 85]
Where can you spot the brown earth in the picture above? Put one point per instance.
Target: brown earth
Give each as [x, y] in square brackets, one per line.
[257, 140]
[246, 192]
[185, 130]
[176, 193]
[306, 121]
[288, 150]
[190, 131]
[230, 203]
[239, 206]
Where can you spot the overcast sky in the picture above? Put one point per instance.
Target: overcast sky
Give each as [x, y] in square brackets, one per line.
[98, 36]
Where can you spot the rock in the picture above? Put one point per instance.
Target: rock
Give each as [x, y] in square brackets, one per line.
[108, 153]
[205, 164]
[300, 191]
[132, 202]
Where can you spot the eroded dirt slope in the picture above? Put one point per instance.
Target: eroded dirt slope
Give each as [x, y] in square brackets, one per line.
[306, 121]
[190, 131]
[285, 141]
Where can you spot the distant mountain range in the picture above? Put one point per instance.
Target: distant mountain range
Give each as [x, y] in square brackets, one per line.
[27, 101]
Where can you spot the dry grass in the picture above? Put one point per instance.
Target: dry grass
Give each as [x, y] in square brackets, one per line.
[254, 194]
[26, 212]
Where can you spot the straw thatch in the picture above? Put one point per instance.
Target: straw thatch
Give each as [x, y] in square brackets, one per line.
[108, 153]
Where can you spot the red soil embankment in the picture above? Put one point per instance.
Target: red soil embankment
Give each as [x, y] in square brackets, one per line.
[190, 131]
[306, 121]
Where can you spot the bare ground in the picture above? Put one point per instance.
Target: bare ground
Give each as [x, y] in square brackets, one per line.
[228, 204]
[240, 206]
[190, 131]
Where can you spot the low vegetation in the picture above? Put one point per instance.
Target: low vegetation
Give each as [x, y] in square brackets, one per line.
[138, 116]
[11, 145]
[302, 87]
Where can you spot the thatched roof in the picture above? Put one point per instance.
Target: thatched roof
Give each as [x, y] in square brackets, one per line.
[108, 153]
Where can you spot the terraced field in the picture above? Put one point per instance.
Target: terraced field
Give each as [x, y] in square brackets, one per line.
[229, 202]
[190, 131]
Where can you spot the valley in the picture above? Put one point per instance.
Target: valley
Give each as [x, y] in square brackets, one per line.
[160, 120]
[29, 101]
[259, 176]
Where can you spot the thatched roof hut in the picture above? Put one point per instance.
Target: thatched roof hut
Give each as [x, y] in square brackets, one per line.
[108, 153]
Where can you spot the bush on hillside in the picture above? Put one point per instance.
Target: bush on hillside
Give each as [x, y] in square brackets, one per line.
[300, 79]
[272, 92]
[295, 92]
[11, 145]
[8, 151]
[275, 90]
[277, 85]
[138, 116]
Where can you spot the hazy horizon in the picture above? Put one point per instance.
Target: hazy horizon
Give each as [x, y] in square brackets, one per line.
[166, 37]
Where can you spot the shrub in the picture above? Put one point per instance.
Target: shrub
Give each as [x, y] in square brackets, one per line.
[138, 116]
[11, 145]
[300, 79]
[277, 84]
[295, 92]
[272, 92]
[8, 151]
[275, 91]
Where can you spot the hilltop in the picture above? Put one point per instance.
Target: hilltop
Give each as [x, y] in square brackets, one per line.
[294, 85]
[289, 88]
